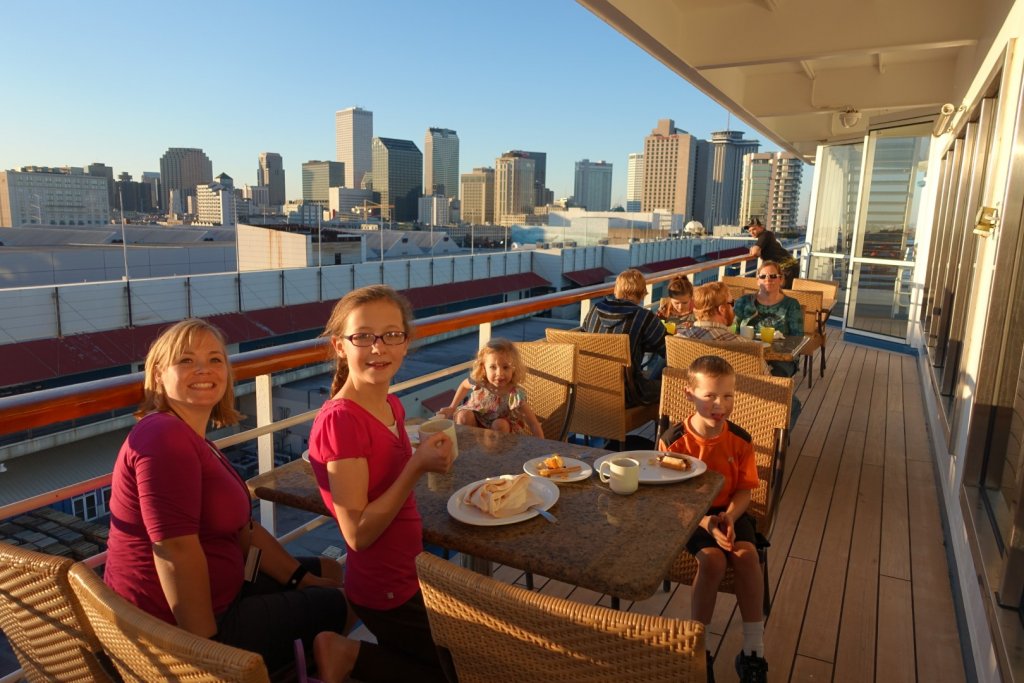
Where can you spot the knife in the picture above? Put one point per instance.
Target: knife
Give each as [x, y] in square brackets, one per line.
[544, 513]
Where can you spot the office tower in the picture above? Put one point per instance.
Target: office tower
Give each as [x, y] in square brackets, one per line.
[433, 210]
[318, 177]
[215, 202]
[271, 175]
[514, 187]
[398, 177]
[103, 171]
[183, 169]
[542, 196]
[593, 187]
[670, 170]
[258, 196]
[151, 179]
[771, 190]
[728, 148]
[132, 196]
[441, 162]
[349, 203]
[353, 135]
[39, 195]
[634, 181]
[478, 196]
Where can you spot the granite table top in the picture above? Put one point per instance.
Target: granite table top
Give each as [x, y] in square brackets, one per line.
[785, 349]
[617, 545]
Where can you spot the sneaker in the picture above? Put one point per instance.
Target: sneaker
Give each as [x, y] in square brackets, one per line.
[711, 667]
[751, 668]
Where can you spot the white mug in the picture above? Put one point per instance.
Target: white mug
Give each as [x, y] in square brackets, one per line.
[622, 474]
[440, 424]
[747, 331]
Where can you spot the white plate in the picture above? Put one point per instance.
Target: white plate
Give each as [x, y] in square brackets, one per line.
[530, 467]
[656, 474]
[470, 514]
[414, 434]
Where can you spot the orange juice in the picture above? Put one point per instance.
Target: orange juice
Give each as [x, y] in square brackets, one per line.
[767, 334]
[670, 327]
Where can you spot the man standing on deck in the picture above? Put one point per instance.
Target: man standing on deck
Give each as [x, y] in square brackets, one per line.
[769, 249]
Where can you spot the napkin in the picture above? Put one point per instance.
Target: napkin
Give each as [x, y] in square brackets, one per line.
[503, 496]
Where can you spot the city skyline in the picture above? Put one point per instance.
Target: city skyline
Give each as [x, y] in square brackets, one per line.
[78, 119]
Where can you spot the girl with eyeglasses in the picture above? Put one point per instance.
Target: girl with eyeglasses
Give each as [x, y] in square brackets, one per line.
[769, 307]
[366, 470]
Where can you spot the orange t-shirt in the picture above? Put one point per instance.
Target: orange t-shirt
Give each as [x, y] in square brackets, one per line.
[731, 454]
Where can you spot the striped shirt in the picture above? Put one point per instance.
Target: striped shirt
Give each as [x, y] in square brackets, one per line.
[646, 335]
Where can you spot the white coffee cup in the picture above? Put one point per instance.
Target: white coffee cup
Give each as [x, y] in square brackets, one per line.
[440, 424]
[747, 332]
[621, 474]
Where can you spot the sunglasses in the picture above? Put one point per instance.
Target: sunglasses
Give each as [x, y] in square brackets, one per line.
[768, 276]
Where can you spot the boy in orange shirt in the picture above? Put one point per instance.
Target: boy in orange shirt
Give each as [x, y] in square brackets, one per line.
[726, 535]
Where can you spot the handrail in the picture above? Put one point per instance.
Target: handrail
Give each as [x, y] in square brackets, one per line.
[40, 408]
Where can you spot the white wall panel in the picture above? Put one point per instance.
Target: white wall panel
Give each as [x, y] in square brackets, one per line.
[300, 286]
[261, 290]
[481, 268]
[337, 282]
[499, 265]
[158, 301]
[93, 307]
[213, 294]
[446, 269]
[27, 314]
[420, 273]
[367, 274]
[396, 274]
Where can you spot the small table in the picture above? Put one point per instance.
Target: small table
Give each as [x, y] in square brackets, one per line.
[619, 545]
[786, 349]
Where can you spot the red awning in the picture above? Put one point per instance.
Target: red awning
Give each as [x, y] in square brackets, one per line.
[587, 277]
[456, 292]
[659, 266]
[442, 400]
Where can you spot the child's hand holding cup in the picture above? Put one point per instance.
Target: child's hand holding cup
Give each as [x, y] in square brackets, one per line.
[440, 425]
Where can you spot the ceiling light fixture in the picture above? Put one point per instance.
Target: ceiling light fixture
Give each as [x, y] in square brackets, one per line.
[849, 117]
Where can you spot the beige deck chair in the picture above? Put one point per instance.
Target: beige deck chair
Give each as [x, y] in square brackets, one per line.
[603, 365]
[747, 284]
[42, 620]
[144, 648]
[550, 384]
[746, 358]
[814, 327]
[761, 407]
[499, 632]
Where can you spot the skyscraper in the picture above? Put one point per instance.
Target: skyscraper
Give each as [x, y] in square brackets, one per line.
[441, 162]
[728, 147]
[670, 170]
[514, 184]
[771, 190]
[318, 177]
[398, 177]
[478, 196]
[271, 175]
[215, 202]
[353, 134]
[182, 169]
[635, 181]
[540, 175]
[152, 180]
[103, 171]
[593, 187]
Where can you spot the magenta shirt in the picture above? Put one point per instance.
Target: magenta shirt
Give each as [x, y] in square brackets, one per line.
[169, 482]
[382, 576]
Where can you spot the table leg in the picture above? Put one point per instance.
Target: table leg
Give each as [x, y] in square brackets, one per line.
[476, 564]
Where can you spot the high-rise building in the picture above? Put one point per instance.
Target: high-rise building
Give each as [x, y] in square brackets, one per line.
[39, 195]
[722, 204]
[215, 202]
[771, 190]
[133, 197]
[353, 135]
[514, 185]
[318, 177]
[258, 196]
[271, 175]
[542, 196]
[103, 171]
[635, 181]
[183, 169]
[671, 170]
[441, 162]
[398, 177]
[433, 210]
[593, 187]
[478, 196]
[151, 179]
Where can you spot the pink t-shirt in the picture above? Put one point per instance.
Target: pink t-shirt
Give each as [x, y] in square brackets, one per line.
[169, 482]
[382, 576]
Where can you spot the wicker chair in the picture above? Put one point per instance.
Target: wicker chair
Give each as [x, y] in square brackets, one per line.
[740, 285]
[42, 620]
[761, 407]
[814, 327]
[144, 648]
[603, 366]
[550, 384]
[499, 632]
[745, 357]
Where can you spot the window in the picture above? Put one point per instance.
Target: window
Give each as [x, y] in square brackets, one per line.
[91, 505]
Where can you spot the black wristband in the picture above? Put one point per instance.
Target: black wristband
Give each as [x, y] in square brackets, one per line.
[297, 576]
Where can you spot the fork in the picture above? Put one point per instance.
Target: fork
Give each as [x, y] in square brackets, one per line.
[544, 513]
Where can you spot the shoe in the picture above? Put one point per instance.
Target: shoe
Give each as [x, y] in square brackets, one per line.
[711, 667]
[751, 668]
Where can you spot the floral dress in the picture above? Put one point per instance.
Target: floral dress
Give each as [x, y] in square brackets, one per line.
[488, 405]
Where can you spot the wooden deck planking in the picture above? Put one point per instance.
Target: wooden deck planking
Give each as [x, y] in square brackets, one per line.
[895, 635]
[808, 670]
[782, 631]
[894, 560]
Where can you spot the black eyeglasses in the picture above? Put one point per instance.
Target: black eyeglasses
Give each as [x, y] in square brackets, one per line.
[365, 339]
[768, 276]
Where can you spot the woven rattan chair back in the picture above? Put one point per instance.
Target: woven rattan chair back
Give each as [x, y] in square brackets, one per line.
[828, 289]
[746, 358]
[747, 284]
[42, 620]
[550, 384]
[144, 648]
[500, 632]
[602, 365]
[810, 301]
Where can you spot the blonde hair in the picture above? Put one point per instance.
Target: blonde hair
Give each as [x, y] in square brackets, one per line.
[339, 316]
[164, 350]
[497, 345]
[707, 298]
[709, 366]
[630, 284]
[770, 264]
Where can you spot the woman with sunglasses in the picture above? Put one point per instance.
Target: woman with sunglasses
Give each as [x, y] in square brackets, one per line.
[769, 307]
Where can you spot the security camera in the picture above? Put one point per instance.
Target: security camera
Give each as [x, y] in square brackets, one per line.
[849, 118]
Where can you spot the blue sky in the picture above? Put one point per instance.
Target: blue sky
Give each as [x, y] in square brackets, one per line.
[119, 83]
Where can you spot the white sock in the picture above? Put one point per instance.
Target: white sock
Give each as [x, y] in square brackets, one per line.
[753, 637]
